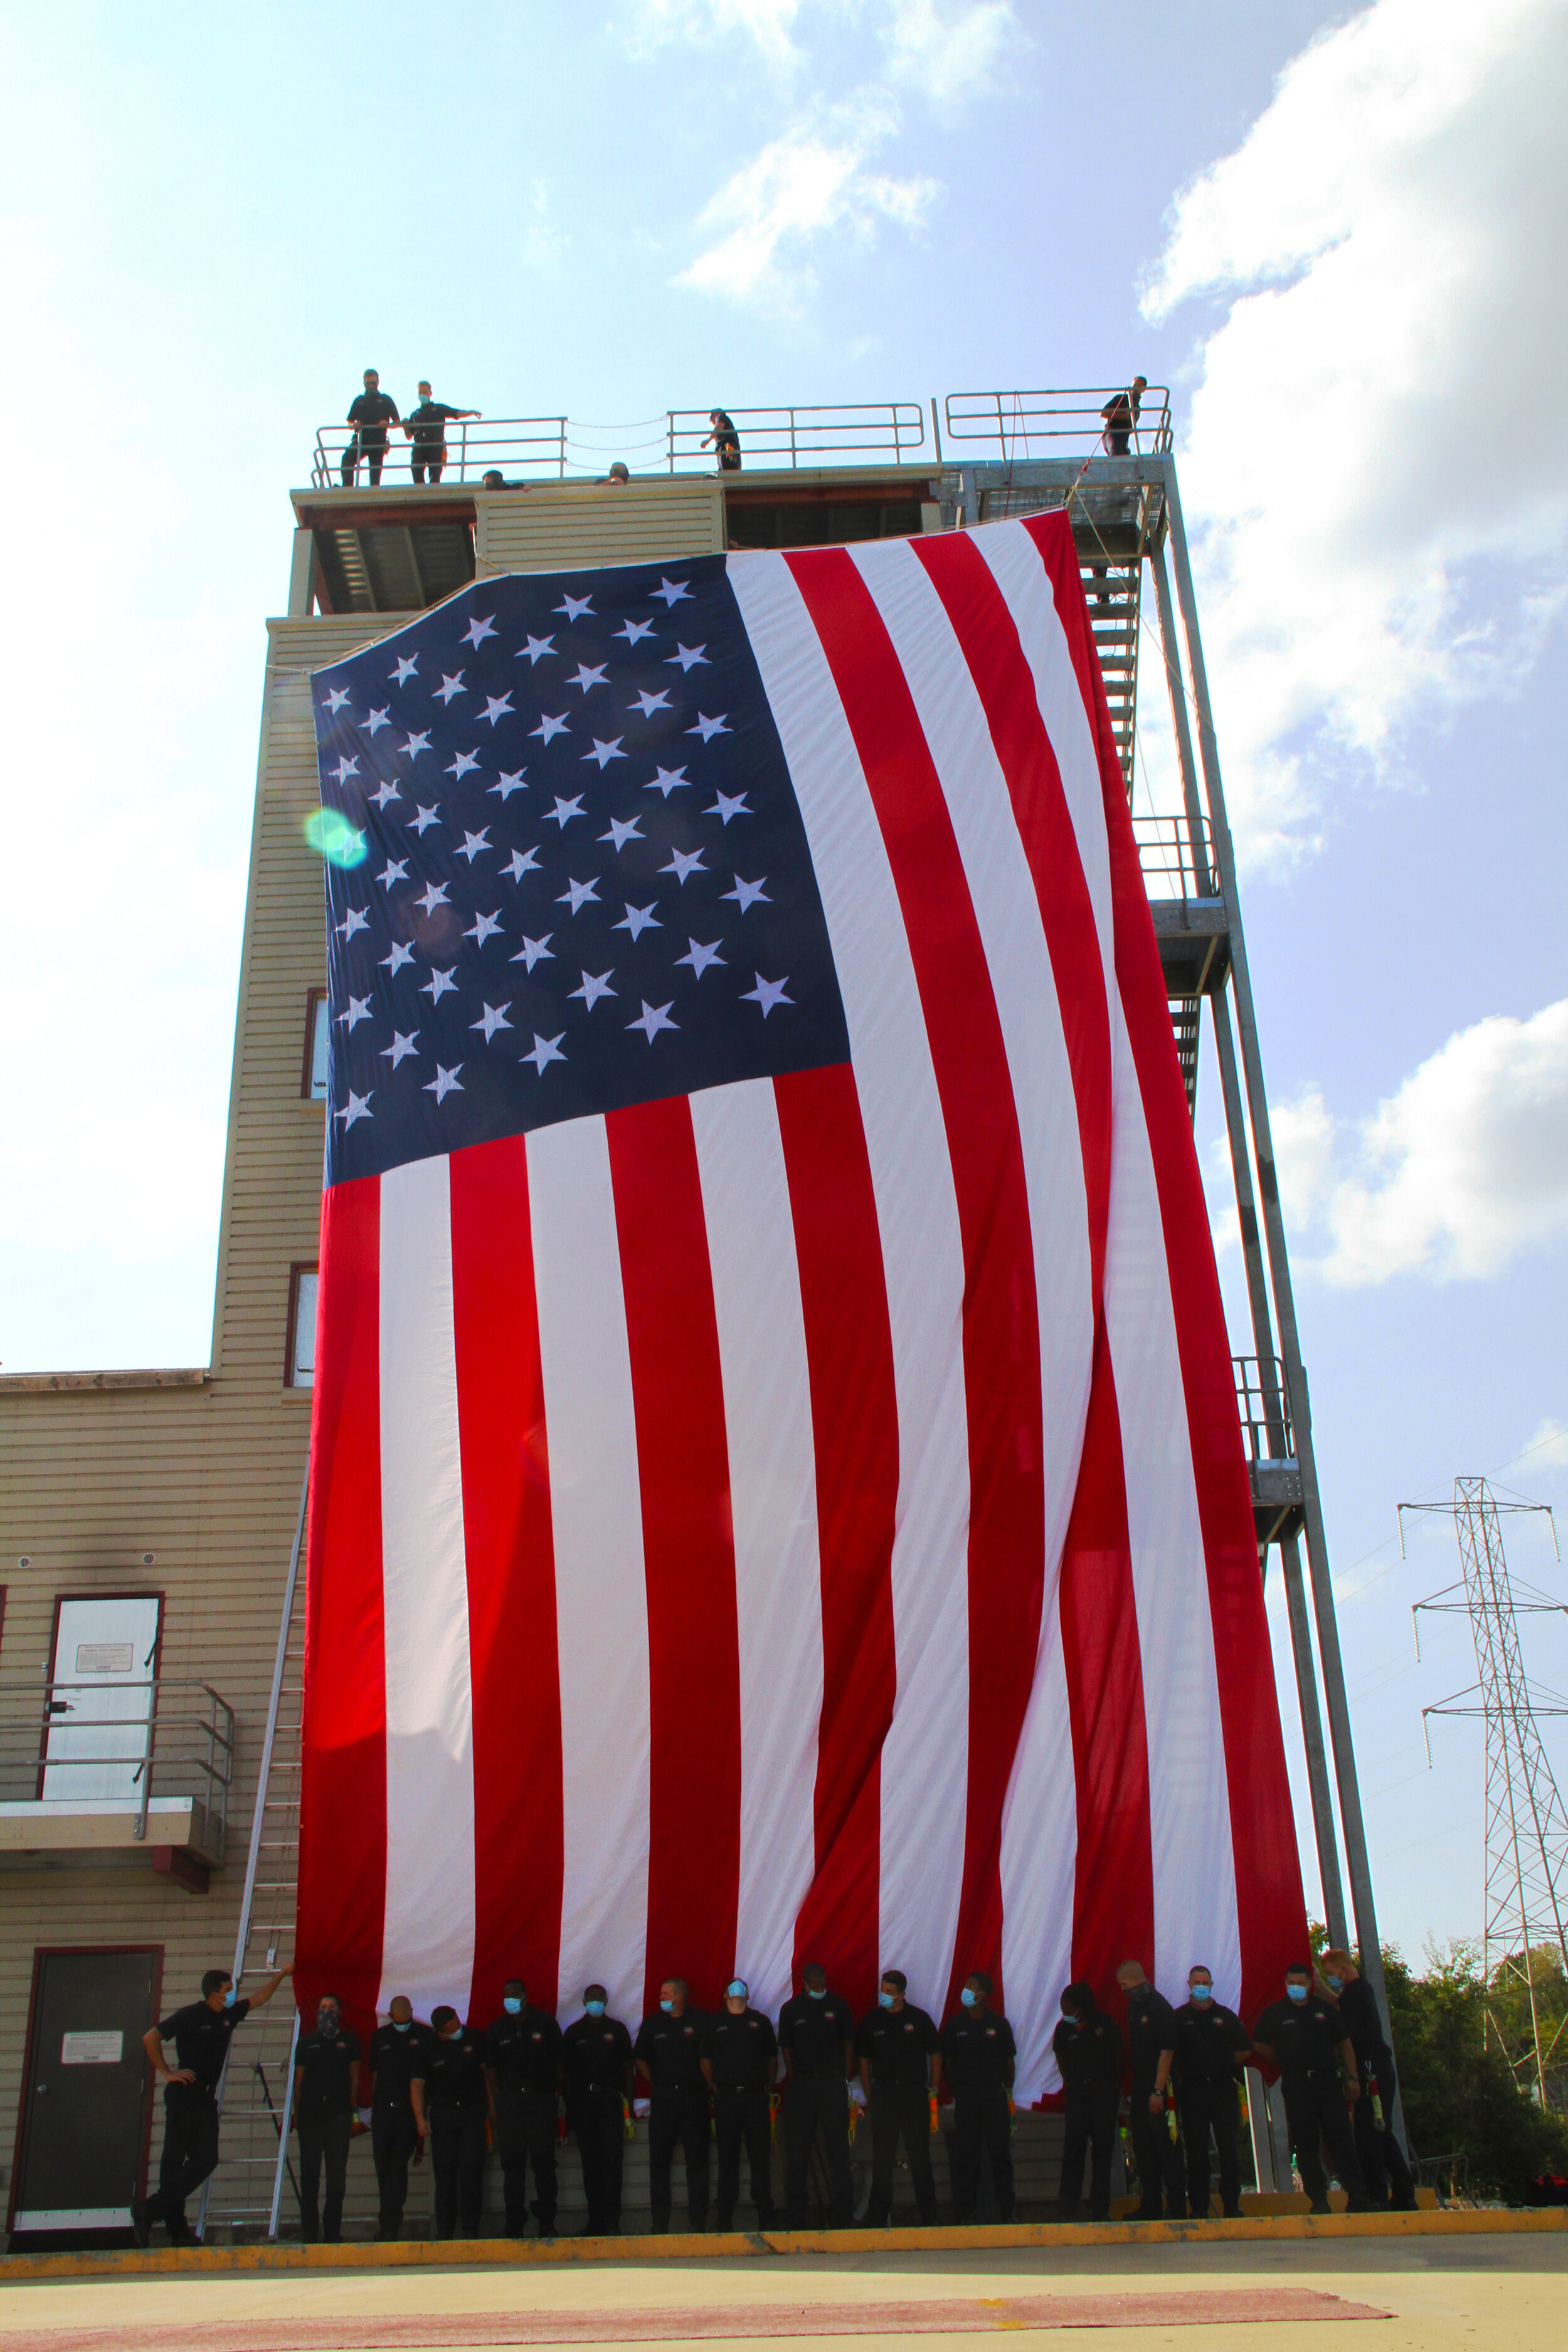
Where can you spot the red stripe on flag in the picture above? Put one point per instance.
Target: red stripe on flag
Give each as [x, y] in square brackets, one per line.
[1001, 1327]
[518, 1827]
[1113, 1893]
[694, 1674]
[1269, 1901]
[343, 1815]
[855, 1432]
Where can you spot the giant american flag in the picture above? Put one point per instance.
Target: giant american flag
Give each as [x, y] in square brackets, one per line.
[777, 1492]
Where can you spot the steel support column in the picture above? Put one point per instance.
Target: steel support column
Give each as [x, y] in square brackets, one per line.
[1335, 1696]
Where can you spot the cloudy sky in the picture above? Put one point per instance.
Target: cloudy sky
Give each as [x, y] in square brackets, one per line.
[1337, 236]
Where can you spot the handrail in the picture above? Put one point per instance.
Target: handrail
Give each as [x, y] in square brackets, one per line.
[1264, 1408]
[1076, 413]
[472, 448]
[789, 438]
[160, 1743]
[1171, 860]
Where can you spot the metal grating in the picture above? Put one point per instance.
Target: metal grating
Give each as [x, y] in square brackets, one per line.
[1185, 1026]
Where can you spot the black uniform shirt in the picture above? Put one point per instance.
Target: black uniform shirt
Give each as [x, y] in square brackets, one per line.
[200, 2035]
[1361, 2023]
[429, 421]
[395, 2060]
[742, 2050]
[898, 2042]
[673, 2049]
[815, 2033]
[523, 2052]
[454, 2070]
[1090, 2056]
[1151, 2029]
[371, 413]
[977, 2049]
[329, 2067]
[1208, 2039]
[598, 2050]
[1302, 2034]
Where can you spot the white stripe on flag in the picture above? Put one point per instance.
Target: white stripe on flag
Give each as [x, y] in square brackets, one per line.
[429, 1915]
[1040, 1863]
[924, 1775]
[601, 1595]
[772, 1500]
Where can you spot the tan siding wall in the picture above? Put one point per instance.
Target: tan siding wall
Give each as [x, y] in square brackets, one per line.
[582, 524]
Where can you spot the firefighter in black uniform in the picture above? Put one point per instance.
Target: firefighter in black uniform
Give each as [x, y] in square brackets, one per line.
[1382, 2164]
[900, 2052]
[741, 2049]
[817, 2038]
[426, 426]
[1304, 2036]
[597, 2052]
[1211, 2044]
[326, 2078]
[396, 2138]
[980, 2055]
[200, 2034]
[453, 2098]
[1088, 2046]
[1151, 2041]
[369, 413]
[669, 2049]
[522, 2065]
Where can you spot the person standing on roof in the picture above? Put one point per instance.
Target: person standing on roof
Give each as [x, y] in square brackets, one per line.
[427, 428]
[1121, 414]
[370, 413]
[724, 441]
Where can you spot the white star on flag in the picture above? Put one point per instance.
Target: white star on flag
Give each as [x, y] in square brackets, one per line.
[536, 950]
[701, 957]
[337, 697]
[407, 667]
[604, 753]
[400, 956]
[652, 1019]
[545, 1049]
[594, 985]
[579, 893]
[575, 607]
[415, 745]
[509, 784]
[400, 1048]
[620, 834]
[375, 722]
[440, 984]
[344, 770]
[359, 1010]
[449, 686]
[387, 791]
[671, 592]
[586, 677]
[472, 843]
[524, 861]
[667, 780]
[445, 1082]
[649, 703]
[485, 927]
[536, 648]
[435, 896]
[395, 870]
[638, 920]
[708, 728]
[684, 861]
[461, 764]
[746, 894]
[493, 1018]
[767, 993]
[359, 1108]
[550, 727]
[498, 707]
[564, 812]
[635, 630]
[726, 806]
[689, 657]
[354, 919]
[425, 818]
[477, 630]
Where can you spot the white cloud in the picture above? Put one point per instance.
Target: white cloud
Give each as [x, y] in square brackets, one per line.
[1378, 494]
[1549, 1446]
[950, 54]
[811, 181]
[1460, 1172]
[767, 22]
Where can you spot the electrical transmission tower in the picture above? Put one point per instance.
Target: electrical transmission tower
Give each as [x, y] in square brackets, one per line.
[1527, 1825]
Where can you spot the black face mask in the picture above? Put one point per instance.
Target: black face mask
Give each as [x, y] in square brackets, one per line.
[327, 2024]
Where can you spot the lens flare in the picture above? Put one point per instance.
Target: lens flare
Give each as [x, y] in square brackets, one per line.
[339, 842]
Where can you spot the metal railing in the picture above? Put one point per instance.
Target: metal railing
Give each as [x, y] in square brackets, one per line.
[1166, 854]
[1014, 421]
[535, 444]
[783, 438]
[117, 1745]
[1265, 1411]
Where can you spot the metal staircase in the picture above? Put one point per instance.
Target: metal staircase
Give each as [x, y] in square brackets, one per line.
[240, 2196]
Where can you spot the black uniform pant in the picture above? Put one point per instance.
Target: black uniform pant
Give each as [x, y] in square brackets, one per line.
[1160, 2164]
[900, 2110]
[323, 2140]
[813, 2103]
[980, 2117]
[392, 2140]
[427, 461]
[679, 2116]
[1211, 2106]
[743, 2115]
[458, 2161]
[1091, 2110]
[190, 2153]
[1382, 2164]
[1318, 2118]
[372, 447]
[599, 2124]
[525, 2135]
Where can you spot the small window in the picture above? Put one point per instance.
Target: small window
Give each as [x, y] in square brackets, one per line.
[300, 1372]
[318, 1036]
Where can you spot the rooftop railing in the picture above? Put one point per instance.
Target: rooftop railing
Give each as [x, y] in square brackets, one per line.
[1166, 854]
[1034, 423]
[115, 1746]
[1265, 1411]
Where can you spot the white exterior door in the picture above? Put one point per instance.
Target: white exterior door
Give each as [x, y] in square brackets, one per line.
[105, 1651]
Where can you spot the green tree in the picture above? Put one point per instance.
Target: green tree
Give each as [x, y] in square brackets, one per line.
[1461, 2096]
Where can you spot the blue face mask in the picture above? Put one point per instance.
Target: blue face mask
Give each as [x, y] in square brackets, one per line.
[969, 1996]
[816, 1992]
[511, 2004]
[1201, 1992]
[594, 2007]
[230, 1997]
[737, 1991]
[1297, 1992]
[886, 2000]
[668, 2007]
[403, 2025]
[1335, 1984]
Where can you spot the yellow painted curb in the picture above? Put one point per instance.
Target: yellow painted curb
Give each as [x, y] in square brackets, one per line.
[469, 2253]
